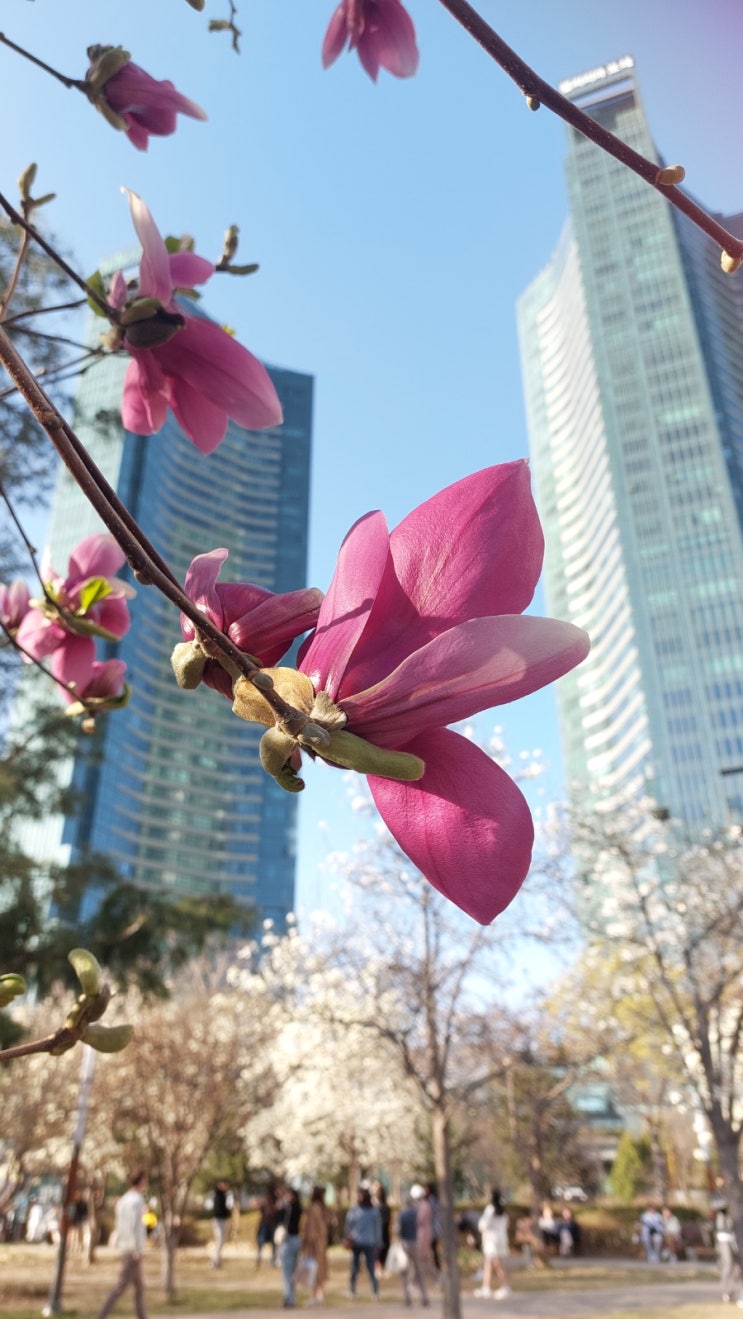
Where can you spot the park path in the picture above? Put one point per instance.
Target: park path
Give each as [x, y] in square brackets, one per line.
[563, 1302]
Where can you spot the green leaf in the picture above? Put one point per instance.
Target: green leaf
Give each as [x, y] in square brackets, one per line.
[94, 590]
[95, 282]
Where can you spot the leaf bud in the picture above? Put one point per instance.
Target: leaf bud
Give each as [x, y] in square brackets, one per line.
[730, 263]
[188, 660]
[26, 182]
[10, 987]
[670, 176]
[533, 103]
[86, 969]
[108, 1039]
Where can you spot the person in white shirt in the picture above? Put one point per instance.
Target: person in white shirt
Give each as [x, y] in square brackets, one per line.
[130, 1236]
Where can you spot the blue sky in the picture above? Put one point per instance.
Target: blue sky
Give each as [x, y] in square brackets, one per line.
[395, 224]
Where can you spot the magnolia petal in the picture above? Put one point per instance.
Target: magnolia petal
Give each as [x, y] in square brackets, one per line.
[465, 825]
[73, 664]
[204, 422]
[106, 679]
[389, 40]
[144, 403]
[137, 133]
[187, 269]
[37, 635]
[200, 586]
[14, 603]
[486, 662]
[473, 550]
[269, 629]
[112, 614]
[335, 37]
[154, 268]
[345, 610]
[96, 556]
[217, 366]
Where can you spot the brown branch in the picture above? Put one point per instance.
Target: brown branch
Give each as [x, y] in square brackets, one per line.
[537, 90]
[145, 561]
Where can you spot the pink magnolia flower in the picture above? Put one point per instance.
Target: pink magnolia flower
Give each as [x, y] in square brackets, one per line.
[380, 30]
[144, 106]
[199, 371]
[86, 679]
[14, 604]
[260, 623]
[420, 629]
[89, 601]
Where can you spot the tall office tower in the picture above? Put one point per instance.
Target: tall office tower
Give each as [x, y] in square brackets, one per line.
[174, 791]
[632, 355]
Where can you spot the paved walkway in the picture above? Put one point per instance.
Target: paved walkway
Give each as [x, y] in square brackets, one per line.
[563, 1301]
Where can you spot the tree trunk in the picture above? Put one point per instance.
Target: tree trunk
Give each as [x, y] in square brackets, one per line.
[169, 1247]
[660, 1178]
[727, 1142]
[451, 1299]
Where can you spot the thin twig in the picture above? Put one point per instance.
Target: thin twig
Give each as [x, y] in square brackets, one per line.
[63, 1036]
[109, 312]
[533, 86]
[13, 282]
[77, 83]
[42, 311]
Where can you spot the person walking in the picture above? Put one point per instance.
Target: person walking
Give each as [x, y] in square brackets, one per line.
[363, 1232]
[407, 1230]
[221, 1215]
[130, 1237]
[379, 1198]
[493, 1227]
[727, 1254]
[291, 1217]
[315, 1241]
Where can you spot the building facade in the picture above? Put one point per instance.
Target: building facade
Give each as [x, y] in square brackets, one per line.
[171, 786]
[632, 356]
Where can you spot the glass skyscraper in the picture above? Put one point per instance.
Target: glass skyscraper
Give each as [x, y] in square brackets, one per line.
[171, 787]
[632, 356]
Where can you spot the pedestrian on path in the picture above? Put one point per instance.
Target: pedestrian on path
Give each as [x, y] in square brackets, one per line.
[130, 1236]
[363, 1233]
[221, 1215]
[407, 1230]
[493, 1227]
